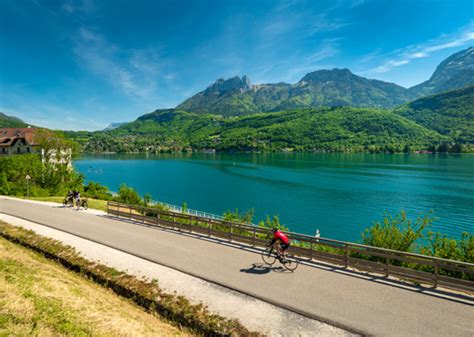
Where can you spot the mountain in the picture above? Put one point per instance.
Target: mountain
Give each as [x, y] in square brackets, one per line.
[114, 125]
[450, 113]
[227, 97]
[336, 87]
[340, 87]
[426, 123]
[11, 122]
[456, 72]
[310, 129]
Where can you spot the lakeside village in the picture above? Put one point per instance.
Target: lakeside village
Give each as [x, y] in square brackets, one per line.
[29, 140]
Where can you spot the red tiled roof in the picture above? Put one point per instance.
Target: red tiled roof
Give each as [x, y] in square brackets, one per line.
[9, 135]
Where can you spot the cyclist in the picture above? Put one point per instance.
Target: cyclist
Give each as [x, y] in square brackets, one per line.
[77, 198]
[69, 197]
[283, 241]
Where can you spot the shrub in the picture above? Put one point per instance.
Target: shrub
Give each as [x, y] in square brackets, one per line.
[397, 233]
[128, 195]
[97, 191]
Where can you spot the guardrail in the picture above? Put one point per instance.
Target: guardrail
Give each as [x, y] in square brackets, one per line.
[413, 267]
[190, 211]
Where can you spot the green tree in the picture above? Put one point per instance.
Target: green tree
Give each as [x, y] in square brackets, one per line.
[236, 216]
[273, 223]
[128, 195]
[457, 148]
[440, 245]
[398, 233]
[97, 191]
[147, 199]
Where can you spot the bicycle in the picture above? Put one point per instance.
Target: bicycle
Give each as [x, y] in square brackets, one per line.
[68, 201]
[270, 255]
[82, 202]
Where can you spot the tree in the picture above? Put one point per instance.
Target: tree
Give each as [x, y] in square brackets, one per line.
[457, 148]
[235, 216]
[398, 233]
[128, 195]
[443, 148]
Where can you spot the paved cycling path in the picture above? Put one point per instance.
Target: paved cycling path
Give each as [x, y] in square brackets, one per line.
[344, 299]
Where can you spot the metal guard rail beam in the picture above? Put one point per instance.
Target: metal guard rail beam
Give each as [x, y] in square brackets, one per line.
[347, 254]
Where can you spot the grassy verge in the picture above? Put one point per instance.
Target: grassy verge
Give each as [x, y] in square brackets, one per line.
[146, 294]
[93, 203]
[40, 297]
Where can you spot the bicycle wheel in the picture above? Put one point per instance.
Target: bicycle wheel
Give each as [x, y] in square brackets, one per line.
[85, 204]
[268, 256]
[291, 263]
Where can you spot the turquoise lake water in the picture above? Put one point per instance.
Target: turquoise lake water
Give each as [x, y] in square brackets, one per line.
[339, 194]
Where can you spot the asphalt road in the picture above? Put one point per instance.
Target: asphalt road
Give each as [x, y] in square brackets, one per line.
[347, 300]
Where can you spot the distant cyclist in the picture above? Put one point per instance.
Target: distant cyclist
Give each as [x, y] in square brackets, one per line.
[70, 197]
[283, 241]
[77, 198]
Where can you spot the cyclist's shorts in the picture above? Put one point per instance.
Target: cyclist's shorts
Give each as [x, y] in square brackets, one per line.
[285, 246]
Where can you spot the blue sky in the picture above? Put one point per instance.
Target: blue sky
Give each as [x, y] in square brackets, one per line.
[81, 64]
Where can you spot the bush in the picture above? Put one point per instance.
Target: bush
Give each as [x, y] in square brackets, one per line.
[440, 245]
[128, 195]
[235, 216]
[97, 191]
[397, 233]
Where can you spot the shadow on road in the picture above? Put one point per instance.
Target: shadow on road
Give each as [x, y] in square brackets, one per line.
[260, 269]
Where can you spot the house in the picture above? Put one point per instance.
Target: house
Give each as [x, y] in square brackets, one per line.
[18, 141]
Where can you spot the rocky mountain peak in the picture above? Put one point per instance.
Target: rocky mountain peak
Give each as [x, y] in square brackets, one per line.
[460, 61]
[235, 83]
[456, 71]
[326, 75]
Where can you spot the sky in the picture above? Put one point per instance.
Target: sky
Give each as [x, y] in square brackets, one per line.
[82, 64]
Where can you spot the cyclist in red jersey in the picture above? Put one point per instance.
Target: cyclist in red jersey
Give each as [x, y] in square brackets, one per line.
[283, 240]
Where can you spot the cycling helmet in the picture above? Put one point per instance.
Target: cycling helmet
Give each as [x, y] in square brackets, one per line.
[274, 229]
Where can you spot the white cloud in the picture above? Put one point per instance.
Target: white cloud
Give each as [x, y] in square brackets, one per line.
[397, 63]
[405, 55]
[419, 55]
[79, 6]
[135, 72]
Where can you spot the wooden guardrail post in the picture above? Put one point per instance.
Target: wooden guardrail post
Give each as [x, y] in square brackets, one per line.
[387, 262]
[436, 274]
[254, 239]
[346, 255]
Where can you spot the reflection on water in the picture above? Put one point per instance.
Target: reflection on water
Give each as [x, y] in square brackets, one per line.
[339, 194]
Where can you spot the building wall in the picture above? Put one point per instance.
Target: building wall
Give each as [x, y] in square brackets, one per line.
[17, 149]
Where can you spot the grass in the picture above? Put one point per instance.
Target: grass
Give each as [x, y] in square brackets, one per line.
[40, 297]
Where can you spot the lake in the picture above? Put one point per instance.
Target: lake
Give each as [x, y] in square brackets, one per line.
[339, 194]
